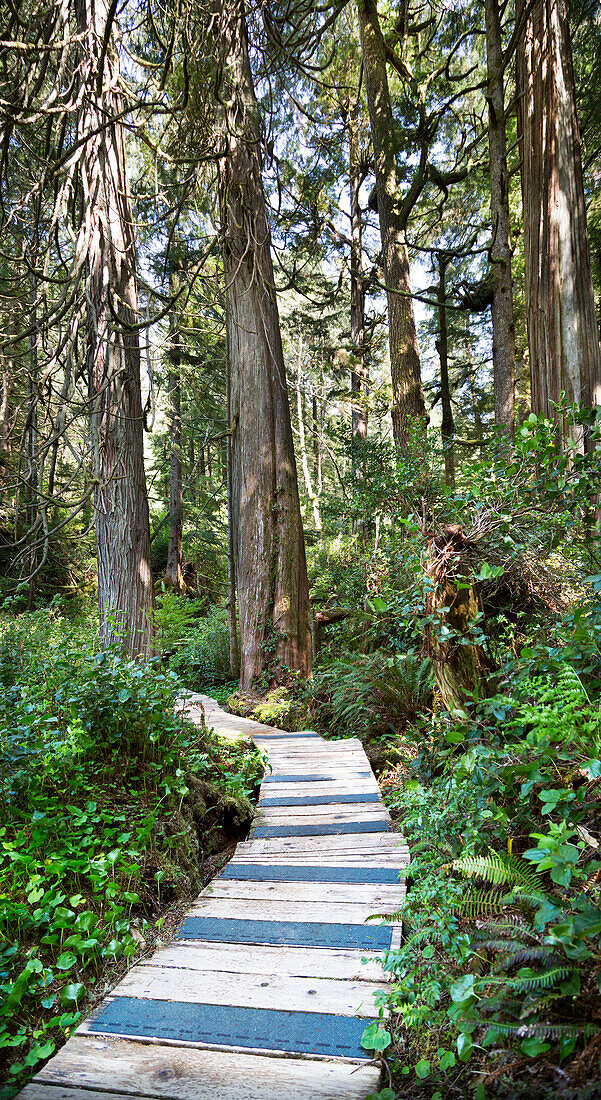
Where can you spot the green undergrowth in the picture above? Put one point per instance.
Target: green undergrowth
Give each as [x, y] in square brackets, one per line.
[113, 812]
[496, 990]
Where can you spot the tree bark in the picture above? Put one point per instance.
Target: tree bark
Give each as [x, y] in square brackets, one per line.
[125, 592]
[313, 497]
[562, 330]
[408, 397]
[358, 382]
[503, 326]
[447, 427]
[174, 576]
[271, 573]
[232, 612]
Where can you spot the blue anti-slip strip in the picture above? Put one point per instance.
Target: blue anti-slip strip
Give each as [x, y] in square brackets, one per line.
[259, 872]
[290, 933]
[380, 825]
[257, 736]
[318, 799]
[224, 1025]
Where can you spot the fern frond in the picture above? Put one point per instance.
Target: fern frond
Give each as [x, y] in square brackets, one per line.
[542, 1031]
[542, 980]
[544, 953]
[481, 903]
[496, 944]
[499, 870]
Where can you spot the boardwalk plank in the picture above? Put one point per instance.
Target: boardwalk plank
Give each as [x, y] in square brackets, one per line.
[328, 893]
[240, 958]
[181, 1073]
[311, 994]
[300, 910]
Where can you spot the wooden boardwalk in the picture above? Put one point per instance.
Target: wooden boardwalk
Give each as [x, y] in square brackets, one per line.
[262, 993]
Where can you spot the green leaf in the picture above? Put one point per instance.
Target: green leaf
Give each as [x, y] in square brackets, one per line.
[423, 1069]
[66, 960]
[465, 1047]
[375, 1037]
[71, 994]
[462, 990]
[534, 1047]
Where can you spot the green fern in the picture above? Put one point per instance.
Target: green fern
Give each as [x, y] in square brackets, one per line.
[499, 870]
[542, 980]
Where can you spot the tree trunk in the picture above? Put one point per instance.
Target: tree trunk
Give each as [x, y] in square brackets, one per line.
[503, 327]
[174, 576]
[232, 613]
[33, 510]
[358, 387]
[6, 369]
[303, 439]
[408, 397]
[125, 593]
[562, 330]
[271, 573]
[447, 427]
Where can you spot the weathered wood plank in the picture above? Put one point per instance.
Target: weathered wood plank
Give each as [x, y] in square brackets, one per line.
[327, 811]
[273, 909]
[240, 958]
[324, 787]
[182, 1073]
[325, 893]
[338, 996]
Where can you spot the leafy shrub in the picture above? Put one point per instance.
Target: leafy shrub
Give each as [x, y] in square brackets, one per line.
[109, 801]
[504, 936]
[176, 618]
[203, 658]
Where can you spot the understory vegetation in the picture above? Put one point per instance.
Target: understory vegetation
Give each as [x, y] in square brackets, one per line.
[486, 737]
[114, 812]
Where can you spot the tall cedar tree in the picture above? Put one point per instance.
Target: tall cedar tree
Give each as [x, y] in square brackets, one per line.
[407, 393]
[503, 326]
[125, 592]
[562, 331]
[269, 550]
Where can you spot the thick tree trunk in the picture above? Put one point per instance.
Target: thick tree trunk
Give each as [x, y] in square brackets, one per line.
[271, 573]
[232, 611]
[447, 427]
[503, 327]
[358, 383]
[174, 576]
[562, 330]
[302, 436]
[125, 593]
[408, 398]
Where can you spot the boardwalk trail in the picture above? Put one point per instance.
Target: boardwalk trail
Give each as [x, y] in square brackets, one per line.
[262, 993]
